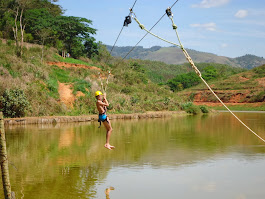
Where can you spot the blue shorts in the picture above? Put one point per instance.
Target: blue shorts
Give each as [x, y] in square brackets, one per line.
[102, 117]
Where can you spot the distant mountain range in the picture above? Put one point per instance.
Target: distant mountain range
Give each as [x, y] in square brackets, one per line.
[173, 55]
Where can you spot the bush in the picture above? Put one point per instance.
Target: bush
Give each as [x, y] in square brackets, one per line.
[14, 103]
[189, 107]
[259, 97]
[204, 109]
[126, 90]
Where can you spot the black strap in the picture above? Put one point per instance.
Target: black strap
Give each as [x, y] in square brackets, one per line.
[99, 123]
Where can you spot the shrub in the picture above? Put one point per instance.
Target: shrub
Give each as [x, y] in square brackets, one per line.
[204, 109]
[14, 103]
[189, 107]
[126, 90]
[192, 96]
[259, 71]
[9, 42]
[10, 70]
[260, 97]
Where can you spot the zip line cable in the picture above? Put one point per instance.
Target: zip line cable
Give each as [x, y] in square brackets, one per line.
[126, 22]
[147, 32]
[170, 15]
[134, 4]
[116, 40]
[121, 30]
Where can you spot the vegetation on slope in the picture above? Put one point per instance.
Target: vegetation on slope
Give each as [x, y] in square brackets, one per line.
[246, 88]
[129, 90]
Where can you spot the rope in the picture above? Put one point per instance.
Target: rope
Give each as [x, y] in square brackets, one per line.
[101, 82]
[148, 32]
[107, 82]
[196, 70]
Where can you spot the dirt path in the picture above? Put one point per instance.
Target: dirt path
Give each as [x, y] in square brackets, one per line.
[66, 94]
[68, 65]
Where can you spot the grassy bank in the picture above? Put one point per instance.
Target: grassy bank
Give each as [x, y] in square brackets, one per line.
[243, 107]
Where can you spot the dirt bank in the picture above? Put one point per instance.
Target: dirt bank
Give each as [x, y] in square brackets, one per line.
[69, 65]
[87, 118]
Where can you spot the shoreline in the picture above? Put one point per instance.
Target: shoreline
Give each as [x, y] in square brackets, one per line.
[88, 118]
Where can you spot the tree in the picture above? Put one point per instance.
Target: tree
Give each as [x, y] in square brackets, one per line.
[183, 81]
[19, 8]
[73, 31]
[91, 47]
[40, 25]
[210, 73]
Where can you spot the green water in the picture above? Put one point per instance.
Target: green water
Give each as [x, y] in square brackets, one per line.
[182, 157]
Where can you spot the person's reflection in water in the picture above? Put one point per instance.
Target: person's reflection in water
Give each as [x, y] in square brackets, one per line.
[107, 192]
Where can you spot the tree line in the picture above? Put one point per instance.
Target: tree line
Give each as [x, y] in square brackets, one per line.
[210, 71]
[43, 22]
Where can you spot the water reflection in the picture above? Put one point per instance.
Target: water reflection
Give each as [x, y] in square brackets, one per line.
[68, 160]
[107, 192]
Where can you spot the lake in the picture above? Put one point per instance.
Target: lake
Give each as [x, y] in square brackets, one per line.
[202, 157]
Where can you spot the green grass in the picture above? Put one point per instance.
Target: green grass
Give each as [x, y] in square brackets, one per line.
[81, 85]
[243, 107]
[11, 71]
[70, 60]
[74, 61]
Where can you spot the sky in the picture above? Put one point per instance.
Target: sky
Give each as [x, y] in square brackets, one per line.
[229, 28]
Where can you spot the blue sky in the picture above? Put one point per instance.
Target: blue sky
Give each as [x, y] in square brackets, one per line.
[224, 27]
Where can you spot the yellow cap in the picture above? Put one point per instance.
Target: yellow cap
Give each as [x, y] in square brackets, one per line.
[98, 93]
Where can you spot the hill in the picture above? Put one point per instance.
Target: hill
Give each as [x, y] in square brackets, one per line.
[66, 86]
[173, 55]
[246, 88]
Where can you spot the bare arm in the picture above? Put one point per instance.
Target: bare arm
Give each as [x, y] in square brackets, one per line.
[105, 100]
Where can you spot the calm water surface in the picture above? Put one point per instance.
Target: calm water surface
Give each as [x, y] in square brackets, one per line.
[182, 157]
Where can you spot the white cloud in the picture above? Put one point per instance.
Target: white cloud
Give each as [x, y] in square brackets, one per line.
[241, 14]
[206, 26]
[224, 45]
[210, 3]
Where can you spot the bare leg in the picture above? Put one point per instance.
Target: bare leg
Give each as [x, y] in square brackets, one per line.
[108, 127]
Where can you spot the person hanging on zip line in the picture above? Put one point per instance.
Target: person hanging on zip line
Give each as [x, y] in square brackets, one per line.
[102, 104]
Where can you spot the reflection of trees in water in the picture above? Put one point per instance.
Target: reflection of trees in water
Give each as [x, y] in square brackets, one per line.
[69, 159]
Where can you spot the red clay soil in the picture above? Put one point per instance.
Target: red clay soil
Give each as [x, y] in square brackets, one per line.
[66, 94]
[243, 79]
[68, 65]
[236, 96]
[261, 81]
